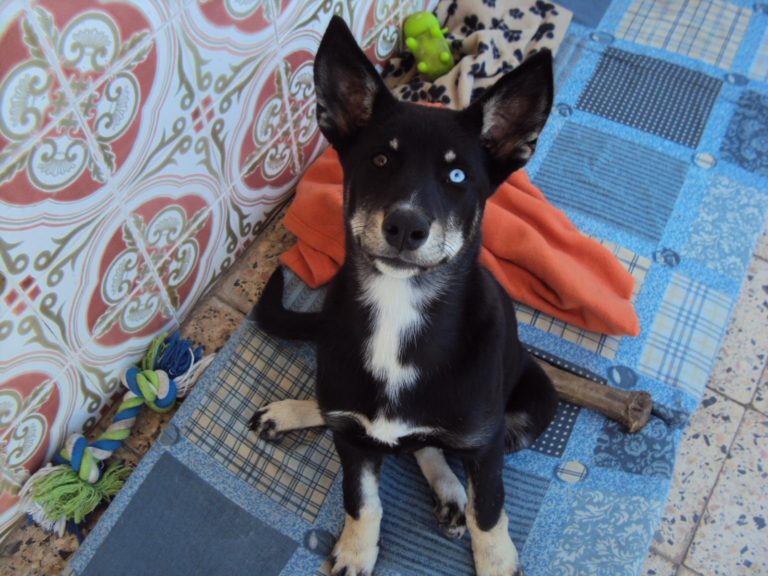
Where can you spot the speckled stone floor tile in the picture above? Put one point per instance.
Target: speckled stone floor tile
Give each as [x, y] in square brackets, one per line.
[685, 571]
[760, 401]
[243, 283]
[657, 565]
[743, 356]
[700, 459]
[762, 244]
[732, 538]
[212, 323]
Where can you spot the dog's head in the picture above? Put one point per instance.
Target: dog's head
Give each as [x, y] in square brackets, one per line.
[416, 178]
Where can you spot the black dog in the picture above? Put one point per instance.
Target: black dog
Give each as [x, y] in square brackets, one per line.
[417, 345]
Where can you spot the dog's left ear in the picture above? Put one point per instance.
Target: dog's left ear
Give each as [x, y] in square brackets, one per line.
[511, 114]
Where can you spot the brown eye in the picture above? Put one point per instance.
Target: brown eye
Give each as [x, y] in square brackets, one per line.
[380, 160]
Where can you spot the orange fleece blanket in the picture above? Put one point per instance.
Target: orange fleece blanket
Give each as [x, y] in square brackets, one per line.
[531, 247]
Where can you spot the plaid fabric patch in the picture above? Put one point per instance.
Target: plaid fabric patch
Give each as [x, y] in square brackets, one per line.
[625, 184]
[710, 31]
[298, 471]
[759, 69]
[602, 344]
[652, 95]
[684, 341]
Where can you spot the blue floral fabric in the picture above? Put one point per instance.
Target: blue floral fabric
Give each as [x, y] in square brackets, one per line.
[746, 142]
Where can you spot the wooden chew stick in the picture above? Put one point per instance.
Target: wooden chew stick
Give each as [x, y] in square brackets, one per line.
[630, 408]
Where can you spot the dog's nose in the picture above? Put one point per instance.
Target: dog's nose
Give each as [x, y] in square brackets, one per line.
[405, 229]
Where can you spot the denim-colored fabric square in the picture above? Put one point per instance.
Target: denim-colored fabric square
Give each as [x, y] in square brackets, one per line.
[620, 182]
[587, 12]
[652, 95]
[746, 141]
[584, 548]
[649, 452]
[177, 524]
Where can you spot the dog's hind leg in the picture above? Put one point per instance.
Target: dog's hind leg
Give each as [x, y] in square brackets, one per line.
[492, 547]
[448, 493]
[275, 419]
[530, 408]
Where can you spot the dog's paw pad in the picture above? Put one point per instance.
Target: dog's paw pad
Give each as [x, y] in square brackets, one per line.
[450, 518]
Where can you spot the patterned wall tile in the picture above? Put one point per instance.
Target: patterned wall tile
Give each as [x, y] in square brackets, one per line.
[723, 241]
[652, 95]
[45, 149]
[710, 30]
[683, 342]
[745, 141]
[612, 179]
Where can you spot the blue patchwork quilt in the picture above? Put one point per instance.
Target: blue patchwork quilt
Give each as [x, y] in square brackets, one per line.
[658, 146]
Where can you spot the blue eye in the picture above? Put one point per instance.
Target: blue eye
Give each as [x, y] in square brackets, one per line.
[456, 176]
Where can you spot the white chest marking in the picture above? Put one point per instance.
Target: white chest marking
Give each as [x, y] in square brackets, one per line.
[395, 306]
[385, 430]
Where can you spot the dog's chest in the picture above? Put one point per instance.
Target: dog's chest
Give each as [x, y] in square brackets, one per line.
[396, 317]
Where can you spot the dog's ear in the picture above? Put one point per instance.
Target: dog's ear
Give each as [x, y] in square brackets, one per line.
[511, 114]
[347, 85]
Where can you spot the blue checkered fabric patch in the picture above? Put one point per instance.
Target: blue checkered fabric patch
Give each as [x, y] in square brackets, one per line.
[711, 31]
[298, 471]
[685, 338]
[652, 95]
[745, 141]
[617, 181]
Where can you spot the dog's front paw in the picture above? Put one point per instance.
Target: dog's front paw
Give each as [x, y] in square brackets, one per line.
[496, 557]
[266, 423]
[450, 517]
[353, 558]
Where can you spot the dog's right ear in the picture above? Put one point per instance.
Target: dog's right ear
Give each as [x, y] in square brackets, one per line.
[347, 85]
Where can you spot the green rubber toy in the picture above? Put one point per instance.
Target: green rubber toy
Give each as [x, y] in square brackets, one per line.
[426, 40]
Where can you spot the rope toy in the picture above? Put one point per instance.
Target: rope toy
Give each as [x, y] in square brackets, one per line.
[77, 483]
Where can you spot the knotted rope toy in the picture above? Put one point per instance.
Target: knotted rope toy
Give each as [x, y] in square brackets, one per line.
[76, 484]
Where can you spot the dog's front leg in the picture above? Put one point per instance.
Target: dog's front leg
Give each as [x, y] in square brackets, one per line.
[275, 419]
[356, 550]
[492, 548]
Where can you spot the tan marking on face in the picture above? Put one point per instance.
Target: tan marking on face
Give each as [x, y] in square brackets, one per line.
[394, 144]
[450, 156]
